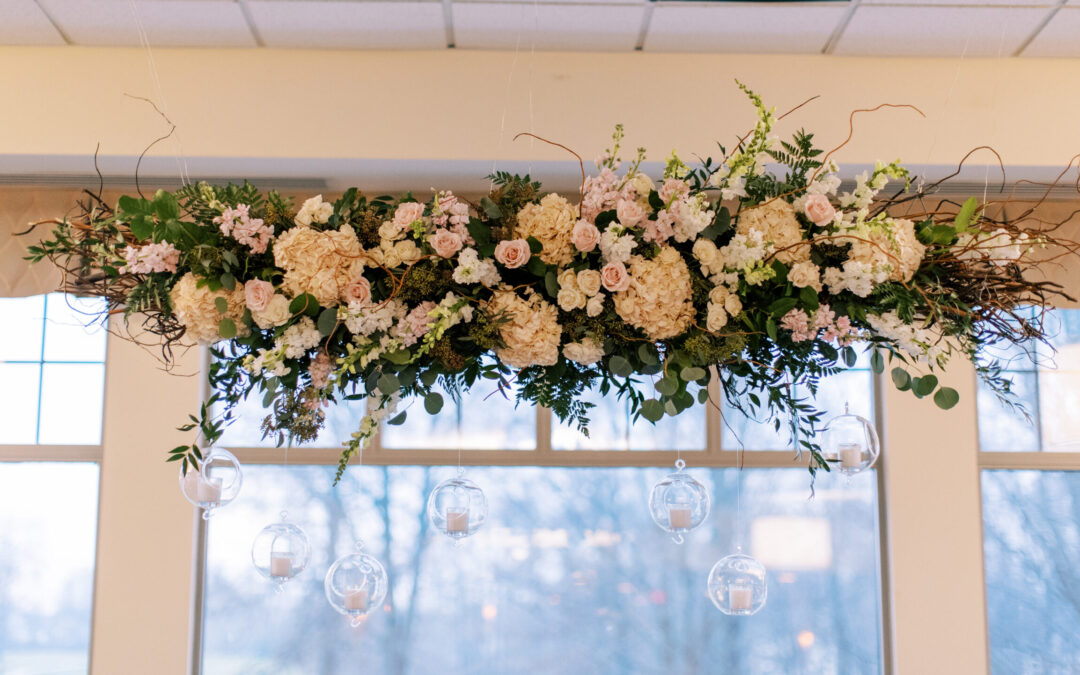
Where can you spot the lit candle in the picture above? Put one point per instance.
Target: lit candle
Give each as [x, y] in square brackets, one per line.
[191, 484]
[457, 520]
[740, 598]
[356, 599]
[679, 517]
[209, 490]
[280, 565]
[850, 455]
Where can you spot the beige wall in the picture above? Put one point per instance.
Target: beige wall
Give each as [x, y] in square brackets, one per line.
[451, 104]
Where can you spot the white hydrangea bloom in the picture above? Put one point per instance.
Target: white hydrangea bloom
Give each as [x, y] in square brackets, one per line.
[615, 246]
[472, 270]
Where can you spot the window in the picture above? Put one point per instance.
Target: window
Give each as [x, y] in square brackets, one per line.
[52, 366]
[1047, 383]
[1032, 549]
[570, 574]
[569, 567]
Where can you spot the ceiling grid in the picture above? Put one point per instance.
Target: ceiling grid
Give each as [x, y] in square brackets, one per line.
[972, 28]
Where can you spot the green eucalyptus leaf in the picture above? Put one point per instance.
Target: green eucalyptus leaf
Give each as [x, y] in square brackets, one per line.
[667, 386]
[433, 403]
[620, 366]
[388, 383]
[227, 328]
[534, 245]
[901, 378]
[222, 304]
[647, 354]
[693, 374]
[397, 420]
[926, 386]
[946, 398]
[652, 410]
[877, 362]
[327, 321]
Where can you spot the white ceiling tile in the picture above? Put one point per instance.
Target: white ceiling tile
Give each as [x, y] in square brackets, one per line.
[23, 23]
[973, 3]
[592, 27]
[782, 28]
[1060, 37]
[168, 23]
[938, 31]
[349, 25]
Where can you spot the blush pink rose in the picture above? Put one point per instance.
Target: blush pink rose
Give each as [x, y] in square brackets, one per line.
[358, 291]
[615, 277]
[408, 213]
[257, 294]
[513, 254]
[585, 236]
[445, 243]
[819, 210]
[630, 213]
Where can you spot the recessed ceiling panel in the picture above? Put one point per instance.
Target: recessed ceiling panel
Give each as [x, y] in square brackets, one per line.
[547, 26]
[879, 30]
[168, 23]
[1060, 37]
[350, 25]
[802, 28]
[23, 23]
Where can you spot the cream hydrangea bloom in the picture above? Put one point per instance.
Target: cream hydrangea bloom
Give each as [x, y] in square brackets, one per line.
[322, 263]
[532, 331]
[888, 246]
[195, 308]
[777, 223]
[586, 352]
[659, 298]
[552, 223]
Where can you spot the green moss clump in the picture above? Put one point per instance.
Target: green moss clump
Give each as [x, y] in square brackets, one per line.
[366, 223]
[425, 281]
[443, 351]
[484, 331]
[278, 215]
[705, 348]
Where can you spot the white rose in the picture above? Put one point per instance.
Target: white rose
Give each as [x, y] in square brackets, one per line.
[717, 318]
[275, 314]
[589, 282]
[733, 304]
[595, 305]
[805, 274]
[389, 231]
[571, 298]
[568, 279]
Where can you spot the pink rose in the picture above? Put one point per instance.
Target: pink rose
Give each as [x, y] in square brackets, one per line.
[585, 236]
[819, 209]
[407, 214]
[615, 277]
[257, 294]
[629, 212]
[513, 254]
[445, 243]
[358, 291]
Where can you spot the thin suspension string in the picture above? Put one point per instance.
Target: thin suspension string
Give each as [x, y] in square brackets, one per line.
[532, 68]
[144, 40]
[948, 99]
[993, 113]
[738, 479]
[506, 105]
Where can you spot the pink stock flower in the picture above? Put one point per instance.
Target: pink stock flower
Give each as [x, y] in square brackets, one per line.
[659, 230]
[320, 370]
[585, 236]
[238, 224]
[159, 257]
[798, 323]
[824, 317]
[445, 243]
[513, 254]
[673, 187]
[257, 294]
[615, 277]
[418, 320]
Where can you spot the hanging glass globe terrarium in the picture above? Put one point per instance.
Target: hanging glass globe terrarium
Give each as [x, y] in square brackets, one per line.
[280, 551]
[737, 585]
[215, 483]
[850, 443]
[356, 584]
[457, 507]
[678, 503]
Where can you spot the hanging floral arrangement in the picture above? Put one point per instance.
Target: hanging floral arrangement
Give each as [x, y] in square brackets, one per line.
[756, 271]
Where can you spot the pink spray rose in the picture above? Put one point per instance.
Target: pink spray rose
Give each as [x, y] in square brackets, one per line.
[257, 294]
[445, 243]
[630, 213]
[585, 236]
[819, 209]
[358, 291]
[513, 254]
[615, 277]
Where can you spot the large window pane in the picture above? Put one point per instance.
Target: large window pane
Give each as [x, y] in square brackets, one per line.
[52, 360]
[569, 575]
[484, 419]
[612, 428]
[1032, 549]
[49, 516]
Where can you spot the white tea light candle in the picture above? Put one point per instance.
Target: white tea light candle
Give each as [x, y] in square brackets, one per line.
[679, 517]
[457, 520]
[356, 599]
[740, 598]
[209, 490]
[280, 565]
[850, 455]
